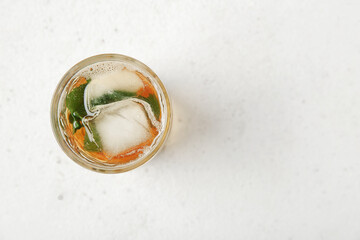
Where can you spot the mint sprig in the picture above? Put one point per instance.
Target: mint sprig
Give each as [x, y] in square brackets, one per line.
[114, 96]
[154, 103]
[75, 103]
[93, 146]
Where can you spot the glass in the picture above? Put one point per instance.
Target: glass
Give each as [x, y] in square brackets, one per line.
[60, 114]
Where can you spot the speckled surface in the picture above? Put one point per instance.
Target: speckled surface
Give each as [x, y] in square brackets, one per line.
[266, 132]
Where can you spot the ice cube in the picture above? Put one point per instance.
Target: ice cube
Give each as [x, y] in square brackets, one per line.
[119, 79]
[122, 125]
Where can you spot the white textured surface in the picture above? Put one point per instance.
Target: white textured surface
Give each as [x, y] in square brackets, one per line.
[266, 140]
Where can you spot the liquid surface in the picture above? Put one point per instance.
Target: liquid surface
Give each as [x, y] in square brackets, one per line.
[112, 113]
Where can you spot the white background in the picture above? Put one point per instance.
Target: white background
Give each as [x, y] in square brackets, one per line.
[266, 137]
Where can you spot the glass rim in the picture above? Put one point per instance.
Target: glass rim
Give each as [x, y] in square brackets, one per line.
[55, 122]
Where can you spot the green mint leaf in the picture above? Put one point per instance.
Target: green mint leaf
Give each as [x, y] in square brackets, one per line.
[75, 102]
[154, 103]
[76, 116]
[93, 146]
[71, 118]
[114, 96]
[76, 126]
